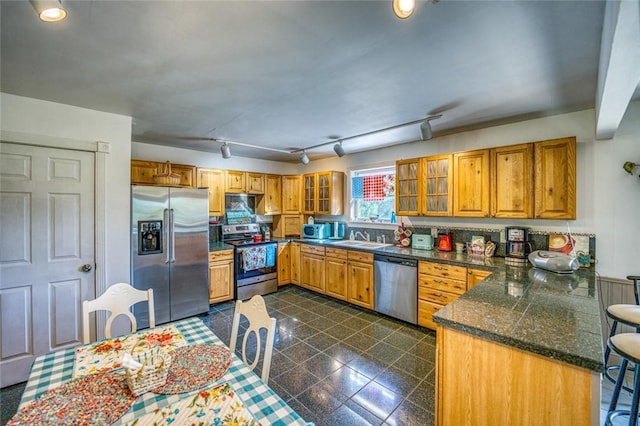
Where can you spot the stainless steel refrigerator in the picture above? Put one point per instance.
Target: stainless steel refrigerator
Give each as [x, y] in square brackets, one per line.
[170, 251]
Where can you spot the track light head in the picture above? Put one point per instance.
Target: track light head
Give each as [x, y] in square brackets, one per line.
[339, 149]
[425, 127]
[425, 130]
[225, 149]
[303, 158]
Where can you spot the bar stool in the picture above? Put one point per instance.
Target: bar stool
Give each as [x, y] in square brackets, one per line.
[626, 314]
[627, 345]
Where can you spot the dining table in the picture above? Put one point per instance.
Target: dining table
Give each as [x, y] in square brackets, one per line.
[61, 367]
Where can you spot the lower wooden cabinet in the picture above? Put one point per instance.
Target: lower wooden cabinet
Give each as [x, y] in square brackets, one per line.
[220, 276]
[284, 263]
[438, 285]
[474, 276]
[360, 278]
[294, 258]
[335, 263]
[312, 267]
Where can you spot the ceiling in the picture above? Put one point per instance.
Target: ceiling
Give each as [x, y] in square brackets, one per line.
[288, 75]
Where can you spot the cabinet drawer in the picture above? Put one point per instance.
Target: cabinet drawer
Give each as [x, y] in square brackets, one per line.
[310, 249]
[216, 256]
[336, 253]
[425, 313]
[444, 284]
[443, 270]
[360, 256]
[436, 296]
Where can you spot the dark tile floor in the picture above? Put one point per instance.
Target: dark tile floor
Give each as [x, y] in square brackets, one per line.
[337, 364]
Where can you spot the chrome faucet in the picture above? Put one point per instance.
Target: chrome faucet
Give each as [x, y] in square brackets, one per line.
[364, 236]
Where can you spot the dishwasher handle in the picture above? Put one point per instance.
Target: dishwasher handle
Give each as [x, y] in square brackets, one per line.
[397, 260]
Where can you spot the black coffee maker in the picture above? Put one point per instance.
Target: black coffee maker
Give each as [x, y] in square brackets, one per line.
[518, 245]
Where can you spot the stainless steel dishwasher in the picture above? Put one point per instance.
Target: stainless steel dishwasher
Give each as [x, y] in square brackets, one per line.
[396, 287]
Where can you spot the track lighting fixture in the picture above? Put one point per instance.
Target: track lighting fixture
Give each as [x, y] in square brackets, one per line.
[339, 149]
[425, 127]
[303, 158]
[49, 10]
[403, 8]
[225, 149]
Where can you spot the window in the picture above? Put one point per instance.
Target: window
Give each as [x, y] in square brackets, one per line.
[373, 194]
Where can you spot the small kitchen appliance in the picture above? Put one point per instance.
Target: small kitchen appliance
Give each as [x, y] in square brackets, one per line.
[518, 246]
[422, 241]
[444, 242]
[316, 231]
[554, 261]
[338, 230]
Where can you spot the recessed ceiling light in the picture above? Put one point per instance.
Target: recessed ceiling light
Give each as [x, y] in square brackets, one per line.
[403, 8]
[49, 10]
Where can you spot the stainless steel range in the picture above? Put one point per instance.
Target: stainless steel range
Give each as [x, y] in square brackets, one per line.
[256, 269]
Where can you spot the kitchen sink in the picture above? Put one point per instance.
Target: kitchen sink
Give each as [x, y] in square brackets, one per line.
[360, 244]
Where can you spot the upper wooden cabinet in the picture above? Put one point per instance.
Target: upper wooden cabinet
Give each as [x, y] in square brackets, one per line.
[235, 181]
[239, 182]
[291, 194]
[437, 185]
[323, 193]
[271, 202]
[309, 193]
[214, 180]
[408, 187]
[255, 183]
[512, 181]
[142, 173]
[471, 183]
[555, 179]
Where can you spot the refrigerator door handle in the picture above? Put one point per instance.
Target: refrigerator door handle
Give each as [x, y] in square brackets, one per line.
[165, 216]
[173, 237]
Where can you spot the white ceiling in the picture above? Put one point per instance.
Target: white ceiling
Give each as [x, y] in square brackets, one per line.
[290, 74]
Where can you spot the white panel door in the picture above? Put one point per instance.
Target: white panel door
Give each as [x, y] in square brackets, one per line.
[46, 239]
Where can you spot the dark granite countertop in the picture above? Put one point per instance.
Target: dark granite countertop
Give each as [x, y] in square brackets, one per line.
[556, 316]
[553, 315]
[217, 246]
[480, 262]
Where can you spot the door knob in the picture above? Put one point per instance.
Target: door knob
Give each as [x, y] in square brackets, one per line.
[86, 267]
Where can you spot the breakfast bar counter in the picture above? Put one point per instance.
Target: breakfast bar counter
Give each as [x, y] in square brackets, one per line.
[523, 346]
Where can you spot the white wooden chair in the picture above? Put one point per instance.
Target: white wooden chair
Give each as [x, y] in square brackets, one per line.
[118, 299]
[256, 313]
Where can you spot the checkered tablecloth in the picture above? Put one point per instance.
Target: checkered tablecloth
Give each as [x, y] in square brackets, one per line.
[53, 369]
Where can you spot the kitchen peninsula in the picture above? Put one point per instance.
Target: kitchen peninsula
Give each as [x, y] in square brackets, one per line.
[522, 347]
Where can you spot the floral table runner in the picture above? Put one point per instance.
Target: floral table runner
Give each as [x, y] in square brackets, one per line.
[107, 355]
[79, 402]
[216, 406]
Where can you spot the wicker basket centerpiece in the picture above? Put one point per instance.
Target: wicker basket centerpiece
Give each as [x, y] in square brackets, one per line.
[153, 373]
[166, 177]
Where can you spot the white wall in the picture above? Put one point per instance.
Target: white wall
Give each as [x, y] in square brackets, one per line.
[608, 198]
[43, 118]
